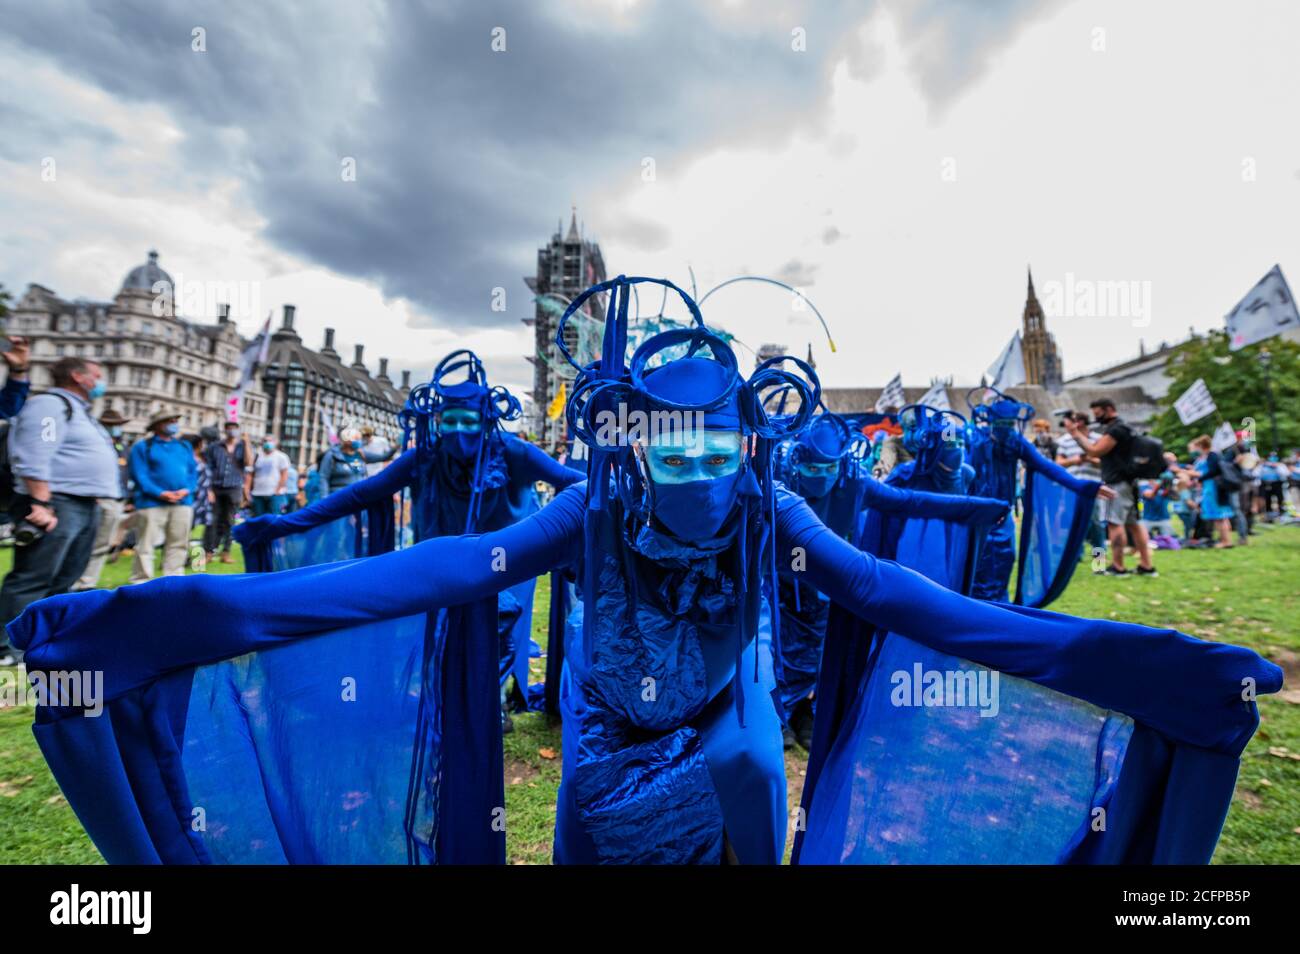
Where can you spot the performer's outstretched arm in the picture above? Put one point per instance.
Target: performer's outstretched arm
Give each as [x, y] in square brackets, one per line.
[535, 464]
[923, 503]
[1191, 690]
[349, 500]
[134, 633]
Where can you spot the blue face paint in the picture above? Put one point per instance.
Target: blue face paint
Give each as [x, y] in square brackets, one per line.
[693, 483]
[816, 478]
[460, 420]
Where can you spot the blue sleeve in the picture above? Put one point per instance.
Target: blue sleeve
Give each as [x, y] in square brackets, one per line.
[1189, 689]
[12, 396]
[234, 614]
[351, 499]
[533, 464]
[139, 468]
[920, 503]
[1054, 471]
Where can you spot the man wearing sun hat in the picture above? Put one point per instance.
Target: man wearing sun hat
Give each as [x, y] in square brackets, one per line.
[165, 476]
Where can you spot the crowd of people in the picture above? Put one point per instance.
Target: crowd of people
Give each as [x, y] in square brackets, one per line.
[85, 495]
[1216, 494]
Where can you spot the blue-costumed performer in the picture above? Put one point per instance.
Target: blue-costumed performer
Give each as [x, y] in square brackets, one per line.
[827, 465]
[1055, 506]
[464, 474]
[230, 712]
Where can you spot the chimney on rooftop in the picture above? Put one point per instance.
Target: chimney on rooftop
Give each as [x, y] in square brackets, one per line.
[358, 363]
[328, 351]
[223, 313]
[287, 324]
[383, 370]
[406, 380]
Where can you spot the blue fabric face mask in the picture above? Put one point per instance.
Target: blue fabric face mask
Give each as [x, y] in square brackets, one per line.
[171, 430]
[98, 390]
[693, 484]
[817, 479]
[460, 430]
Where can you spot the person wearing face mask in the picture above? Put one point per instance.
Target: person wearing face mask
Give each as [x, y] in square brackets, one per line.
[821, 466]
[165, 477]
[464, 474]
[63, 462]
[270, 478]
[230, 468]
[112, 527]
[672, 742]
[1055, 506]
[345, 463]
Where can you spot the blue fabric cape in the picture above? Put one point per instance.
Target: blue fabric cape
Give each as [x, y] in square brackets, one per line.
[309, 715]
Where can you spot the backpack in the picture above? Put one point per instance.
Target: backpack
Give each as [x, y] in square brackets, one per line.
[1146, 457]
[7, 482]
[1229, 476]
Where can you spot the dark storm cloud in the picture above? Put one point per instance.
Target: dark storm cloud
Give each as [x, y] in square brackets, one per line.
[464, 156]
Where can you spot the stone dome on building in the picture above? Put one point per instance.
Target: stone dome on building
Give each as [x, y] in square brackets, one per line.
[145, 277]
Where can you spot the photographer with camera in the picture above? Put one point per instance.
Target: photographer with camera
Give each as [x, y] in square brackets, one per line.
[62, 461]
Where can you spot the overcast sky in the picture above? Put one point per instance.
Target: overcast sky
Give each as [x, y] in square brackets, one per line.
[902, 161]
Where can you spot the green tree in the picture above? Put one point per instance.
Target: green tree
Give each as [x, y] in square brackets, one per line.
[5, 299]
[1236, 382]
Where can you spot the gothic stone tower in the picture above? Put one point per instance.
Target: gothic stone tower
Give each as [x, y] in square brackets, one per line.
[1042, 364]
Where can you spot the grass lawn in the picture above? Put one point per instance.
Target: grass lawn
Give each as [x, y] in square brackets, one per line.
[1248, 595]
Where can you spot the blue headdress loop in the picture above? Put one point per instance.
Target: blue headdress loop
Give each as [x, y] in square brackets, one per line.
[443, 391]
[728, 400]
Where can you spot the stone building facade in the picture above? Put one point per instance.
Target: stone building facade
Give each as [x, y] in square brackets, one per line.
[153, 359]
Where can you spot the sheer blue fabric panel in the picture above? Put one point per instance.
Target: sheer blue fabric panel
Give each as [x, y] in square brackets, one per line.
[1051, 537]
[1011, 776]
[303, 753]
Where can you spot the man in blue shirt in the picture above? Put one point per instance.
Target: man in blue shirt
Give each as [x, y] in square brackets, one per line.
[62, 461]
[165, 476]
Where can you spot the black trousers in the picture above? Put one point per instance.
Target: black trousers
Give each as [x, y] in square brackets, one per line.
[48, 566]
[217, 532]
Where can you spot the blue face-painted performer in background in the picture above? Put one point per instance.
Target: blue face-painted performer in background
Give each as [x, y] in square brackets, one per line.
[827, 465]
[672, 744]
[1055, 507]
[464, 475]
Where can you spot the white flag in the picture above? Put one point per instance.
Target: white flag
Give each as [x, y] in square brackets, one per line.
[892, 396]
[1195, 403]
[330, 433]
[1223, 438]
[1266, 311]
[1008, 371]
[937, 396]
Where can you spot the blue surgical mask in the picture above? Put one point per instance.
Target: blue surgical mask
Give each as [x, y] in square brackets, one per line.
[172, 429]
[817, 479]
[98, 390]
[693, 484]
[461, 445]
[115, 431]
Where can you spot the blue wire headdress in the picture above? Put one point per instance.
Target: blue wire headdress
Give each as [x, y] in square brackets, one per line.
[1003, 412]
[702, 377]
